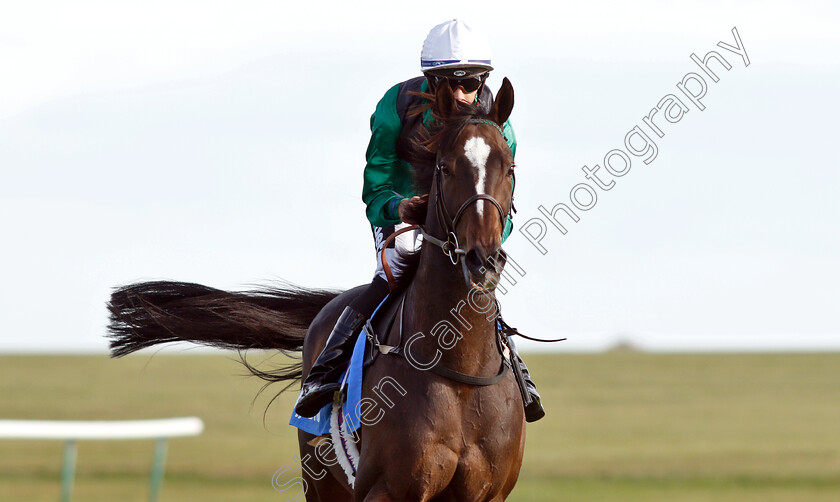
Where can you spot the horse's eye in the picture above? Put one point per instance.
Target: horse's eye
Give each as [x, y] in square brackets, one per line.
[444, 170]
[510, 169]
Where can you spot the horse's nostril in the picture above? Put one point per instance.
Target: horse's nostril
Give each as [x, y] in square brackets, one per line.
[475, 262]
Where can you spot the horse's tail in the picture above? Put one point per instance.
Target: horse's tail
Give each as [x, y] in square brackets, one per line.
[152, 313]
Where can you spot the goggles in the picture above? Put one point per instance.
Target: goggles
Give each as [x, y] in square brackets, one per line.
[469, 83]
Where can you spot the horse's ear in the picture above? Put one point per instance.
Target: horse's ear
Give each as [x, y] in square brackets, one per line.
[503, 104]
[444, 100]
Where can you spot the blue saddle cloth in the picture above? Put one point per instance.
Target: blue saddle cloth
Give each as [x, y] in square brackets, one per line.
[320, 423]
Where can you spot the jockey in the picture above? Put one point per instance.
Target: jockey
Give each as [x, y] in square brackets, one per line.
[454, 51]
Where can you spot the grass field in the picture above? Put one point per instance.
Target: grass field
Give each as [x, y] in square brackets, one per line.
[621, 426]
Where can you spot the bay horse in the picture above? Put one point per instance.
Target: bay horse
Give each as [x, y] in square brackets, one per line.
[440, 438]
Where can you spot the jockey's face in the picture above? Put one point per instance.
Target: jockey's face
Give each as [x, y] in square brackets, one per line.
[465, 86]
[464, 97]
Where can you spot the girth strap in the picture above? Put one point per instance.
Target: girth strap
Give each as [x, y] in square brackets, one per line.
[469, 379]
[437, 369]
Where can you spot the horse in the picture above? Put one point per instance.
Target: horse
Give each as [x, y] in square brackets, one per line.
[452, 425]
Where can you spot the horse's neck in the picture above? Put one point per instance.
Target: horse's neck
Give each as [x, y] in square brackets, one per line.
[439, 297]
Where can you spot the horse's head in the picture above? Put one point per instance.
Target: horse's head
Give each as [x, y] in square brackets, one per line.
[471, 190]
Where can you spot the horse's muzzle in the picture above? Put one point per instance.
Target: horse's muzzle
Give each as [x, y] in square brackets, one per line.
[485, 268]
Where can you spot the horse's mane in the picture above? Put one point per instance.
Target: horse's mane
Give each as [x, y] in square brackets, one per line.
[421, 151]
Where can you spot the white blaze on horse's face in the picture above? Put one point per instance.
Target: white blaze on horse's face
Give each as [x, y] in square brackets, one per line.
[477, 151]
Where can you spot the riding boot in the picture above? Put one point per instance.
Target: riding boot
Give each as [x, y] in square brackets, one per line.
[533, 407]
[322, 381]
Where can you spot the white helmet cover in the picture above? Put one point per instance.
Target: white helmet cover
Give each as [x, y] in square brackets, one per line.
[455, 44]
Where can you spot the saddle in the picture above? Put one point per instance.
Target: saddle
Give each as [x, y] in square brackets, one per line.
[380, 325]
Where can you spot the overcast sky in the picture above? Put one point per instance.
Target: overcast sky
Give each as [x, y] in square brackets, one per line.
[224, 144]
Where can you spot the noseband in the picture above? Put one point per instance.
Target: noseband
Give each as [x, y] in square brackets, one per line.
[450, 246]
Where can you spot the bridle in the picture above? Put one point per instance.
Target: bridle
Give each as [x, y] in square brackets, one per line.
[450, 246]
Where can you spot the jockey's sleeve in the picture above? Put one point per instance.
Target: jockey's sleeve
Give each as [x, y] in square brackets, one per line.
[510, 136]
[383, 167]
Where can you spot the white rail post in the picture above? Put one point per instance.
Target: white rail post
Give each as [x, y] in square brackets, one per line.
[156, 475]
[68, 470]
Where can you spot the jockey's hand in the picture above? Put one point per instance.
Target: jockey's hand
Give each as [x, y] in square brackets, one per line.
[413, 210]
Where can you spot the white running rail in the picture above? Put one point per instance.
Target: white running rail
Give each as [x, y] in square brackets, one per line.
[71, 431]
